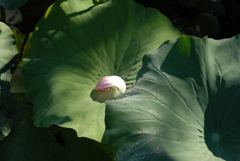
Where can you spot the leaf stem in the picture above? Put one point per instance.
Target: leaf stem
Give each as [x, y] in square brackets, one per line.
[23, 46]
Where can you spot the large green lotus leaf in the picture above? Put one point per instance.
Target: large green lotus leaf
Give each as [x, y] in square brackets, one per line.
[184, 106]
[8, 61]
[28, 142]
[75, 45]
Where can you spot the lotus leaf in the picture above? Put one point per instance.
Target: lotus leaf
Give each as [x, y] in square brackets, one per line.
[77, 43]
[184, 106]
[8, 62]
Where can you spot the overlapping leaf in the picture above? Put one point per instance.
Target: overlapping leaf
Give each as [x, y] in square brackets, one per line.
[8, 54]
[184, 106]
[75, 45]
[8, 60]
[28, 142]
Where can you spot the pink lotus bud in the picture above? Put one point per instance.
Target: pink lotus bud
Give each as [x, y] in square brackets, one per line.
[111, 81]
[108, 88]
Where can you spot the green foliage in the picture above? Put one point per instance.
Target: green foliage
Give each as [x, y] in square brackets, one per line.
[19, 139]
[184, 105]
[99, 1]
[8, 54]
[12, 4]
[5, 127]
[181, 107]
[8, 60]
[75, 44]
[28, 142]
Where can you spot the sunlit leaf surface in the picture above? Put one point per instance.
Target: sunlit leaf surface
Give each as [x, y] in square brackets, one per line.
[75, 45]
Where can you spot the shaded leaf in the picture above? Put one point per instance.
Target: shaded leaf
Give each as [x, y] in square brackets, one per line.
[184, 106]
[5, 128]
[27, 142]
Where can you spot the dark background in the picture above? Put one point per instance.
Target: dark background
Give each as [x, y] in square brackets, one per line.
[199, 18]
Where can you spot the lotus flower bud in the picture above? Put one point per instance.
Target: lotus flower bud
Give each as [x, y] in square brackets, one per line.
[108, 88]
[110, 81]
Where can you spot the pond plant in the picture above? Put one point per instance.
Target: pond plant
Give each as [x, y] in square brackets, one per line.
[114, 80]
